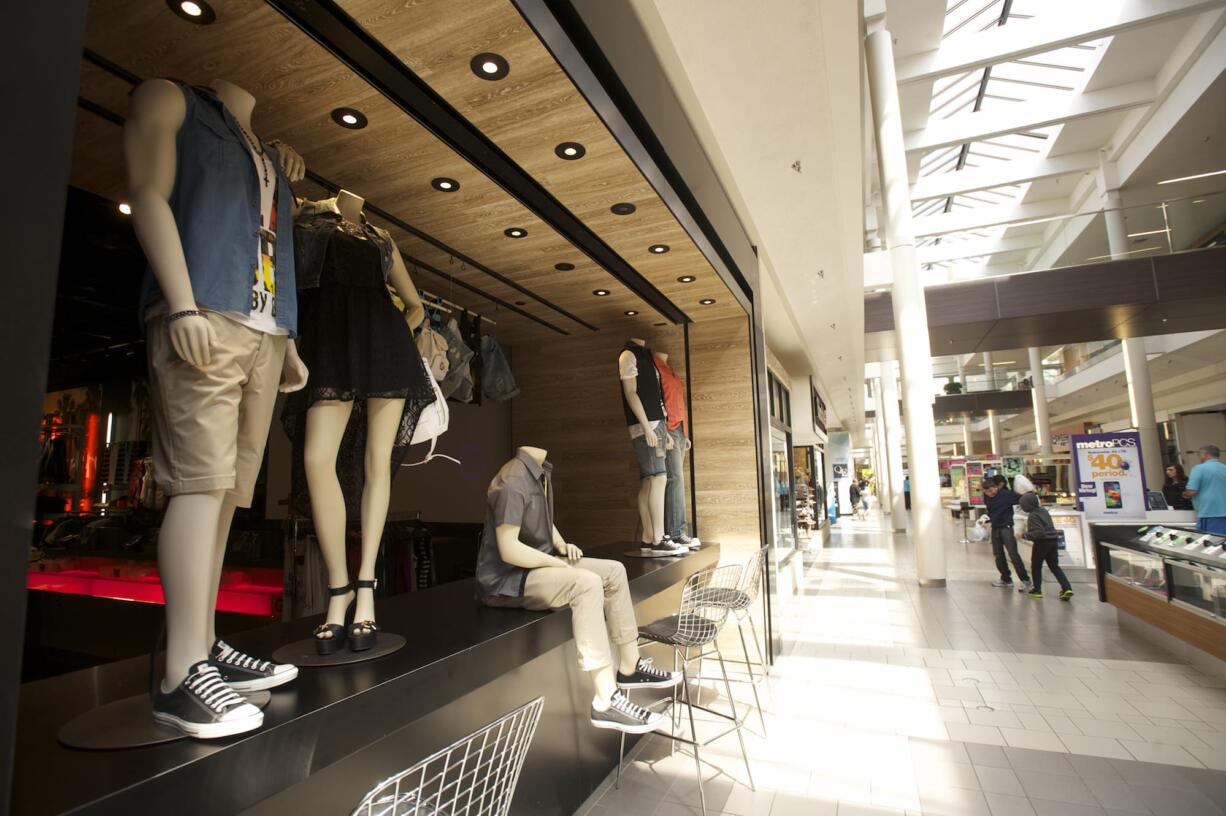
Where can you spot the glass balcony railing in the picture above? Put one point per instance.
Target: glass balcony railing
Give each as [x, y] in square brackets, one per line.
[1163, 228]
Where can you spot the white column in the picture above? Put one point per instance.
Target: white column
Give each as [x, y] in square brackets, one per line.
[989, 371]
[1038, 400]
[967, 443]
[1136, 365]
[885, 485]
[998, 444]
[910, 312]
[893, 444]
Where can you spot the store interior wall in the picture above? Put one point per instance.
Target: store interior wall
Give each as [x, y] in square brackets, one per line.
[570, 404]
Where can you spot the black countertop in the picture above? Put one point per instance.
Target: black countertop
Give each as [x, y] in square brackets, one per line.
[455, 645]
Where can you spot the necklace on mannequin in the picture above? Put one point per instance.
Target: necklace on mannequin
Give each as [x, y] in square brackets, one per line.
[258, 149]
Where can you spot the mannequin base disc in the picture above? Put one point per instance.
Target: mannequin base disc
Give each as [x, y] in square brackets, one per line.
[127, 723]
[641, 554]
[302, 652]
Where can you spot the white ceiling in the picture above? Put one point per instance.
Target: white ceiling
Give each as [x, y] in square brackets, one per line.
[765, 86]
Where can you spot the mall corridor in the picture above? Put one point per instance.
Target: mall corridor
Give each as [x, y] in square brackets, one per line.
[892, 699]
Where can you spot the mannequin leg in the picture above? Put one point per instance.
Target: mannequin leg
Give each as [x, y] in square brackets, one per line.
[325, 428]
[658, 484]
[645, 511]
[225, 517]
[604, 685]
[382, 424]
[185, 560]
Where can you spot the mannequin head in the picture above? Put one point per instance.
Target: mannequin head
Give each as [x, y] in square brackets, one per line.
[350, 205]
[663, 355]
[638, 342]
[538, 454]
[237, 101]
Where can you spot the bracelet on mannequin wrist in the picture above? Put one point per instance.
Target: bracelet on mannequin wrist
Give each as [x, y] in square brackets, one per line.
[185, 313]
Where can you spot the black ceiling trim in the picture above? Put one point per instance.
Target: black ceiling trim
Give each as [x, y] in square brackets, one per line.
[331, 27]
[560, 27]
[126, 75]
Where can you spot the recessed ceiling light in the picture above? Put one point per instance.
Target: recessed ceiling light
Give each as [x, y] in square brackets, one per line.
[630, 313]
[564, 266]
[521, 303]
[706, 301]
[686, 279]
[1193, 178]
[570, 151]
[445, 185]
[349, 118]
[194, 11]
[515, 232]
[623, 208]
[490, 66]
[600, 292]
[125, 208]
[658, 249]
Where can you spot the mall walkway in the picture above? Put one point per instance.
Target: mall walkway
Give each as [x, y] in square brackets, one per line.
[972, 700]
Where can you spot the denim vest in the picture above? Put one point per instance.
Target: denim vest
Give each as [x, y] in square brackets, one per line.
[314, 226]
[216, 204]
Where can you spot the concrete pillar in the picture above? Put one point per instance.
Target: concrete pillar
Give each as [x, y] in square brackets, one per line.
[998, 443]
[893, 445]
[1038, 400]
[885, 485]
[968, 444]
[910, 311]
[1136, 365]
[989, 372]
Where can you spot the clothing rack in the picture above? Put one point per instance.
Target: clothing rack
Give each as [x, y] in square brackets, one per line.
[441, 303]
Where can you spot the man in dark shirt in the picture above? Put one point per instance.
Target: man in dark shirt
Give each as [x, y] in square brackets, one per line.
[1000, 501]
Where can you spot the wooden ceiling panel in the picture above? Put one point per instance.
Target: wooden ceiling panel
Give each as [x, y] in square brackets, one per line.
[391, 162]
[528, 114]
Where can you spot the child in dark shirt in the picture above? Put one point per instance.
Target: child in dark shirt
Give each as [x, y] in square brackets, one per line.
[1044, 543]
[999, 500]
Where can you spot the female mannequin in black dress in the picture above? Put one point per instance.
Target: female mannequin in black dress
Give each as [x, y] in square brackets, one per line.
[360, 352]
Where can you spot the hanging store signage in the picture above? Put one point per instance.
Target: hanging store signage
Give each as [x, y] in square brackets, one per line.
[1109, 477]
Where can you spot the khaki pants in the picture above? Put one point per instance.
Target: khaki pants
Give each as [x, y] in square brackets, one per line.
[598, 595]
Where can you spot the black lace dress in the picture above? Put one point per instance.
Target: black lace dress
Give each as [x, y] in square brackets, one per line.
[356, 346]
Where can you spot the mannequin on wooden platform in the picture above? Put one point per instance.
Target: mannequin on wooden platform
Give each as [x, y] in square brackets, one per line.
[676, 427]
[526, 563]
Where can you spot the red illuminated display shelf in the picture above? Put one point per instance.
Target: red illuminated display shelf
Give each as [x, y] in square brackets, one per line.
[248, 591]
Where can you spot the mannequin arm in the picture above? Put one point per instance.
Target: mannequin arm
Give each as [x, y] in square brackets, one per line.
[414, 311]
[631, 390]
[155, 116]
[518, 554]
[569, 551]
[294, 371]
[291, 161]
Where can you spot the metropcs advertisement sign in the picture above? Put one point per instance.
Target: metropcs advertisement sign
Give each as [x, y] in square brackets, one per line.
[1110, 479]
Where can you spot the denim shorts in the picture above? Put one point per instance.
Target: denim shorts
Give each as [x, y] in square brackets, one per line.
[651, 460]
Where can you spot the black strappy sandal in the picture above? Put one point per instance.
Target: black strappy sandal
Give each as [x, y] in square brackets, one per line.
[336, 632]
[362, 634]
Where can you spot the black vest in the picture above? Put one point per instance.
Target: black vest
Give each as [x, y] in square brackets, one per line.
[647, 385]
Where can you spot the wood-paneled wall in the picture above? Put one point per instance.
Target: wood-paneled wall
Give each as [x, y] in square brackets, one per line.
[570, 404]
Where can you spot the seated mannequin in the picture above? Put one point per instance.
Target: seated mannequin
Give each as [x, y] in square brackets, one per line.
[517, 567]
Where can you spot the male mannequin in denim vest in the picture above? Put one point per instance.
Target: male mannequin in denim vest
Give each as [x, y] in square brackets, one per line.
[193, 340]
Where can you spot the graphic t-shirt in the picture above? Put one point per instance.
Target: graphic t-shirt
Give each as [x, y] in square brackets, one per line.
[263, 313]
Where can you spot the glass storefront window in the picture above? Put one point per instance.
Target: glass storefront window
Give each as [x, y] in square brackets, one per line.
[781, 477]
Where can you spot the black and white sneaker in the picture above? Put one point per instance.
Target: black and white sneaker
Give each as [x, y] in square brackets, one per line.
[686, 541]
[205, 707]
[246, 673]
[647, 676]
[623, 715]
[664, 548]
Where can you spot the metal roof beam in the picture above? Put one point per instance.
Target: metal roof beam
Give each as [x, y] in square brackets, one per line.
[983, 217]
[976, 248]
[988, 178]
[976, 127]
[1065, 24]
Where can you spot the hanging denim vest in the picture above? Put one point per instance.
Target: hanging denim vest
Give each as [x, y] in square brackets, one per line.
[216, 204]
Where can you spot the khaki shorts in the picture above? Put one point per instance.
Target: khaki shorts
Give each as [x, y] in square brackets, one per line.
[210, 426]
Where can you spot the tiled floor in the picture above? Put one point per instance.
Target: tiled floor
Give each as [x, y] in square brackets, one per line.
[969, 700]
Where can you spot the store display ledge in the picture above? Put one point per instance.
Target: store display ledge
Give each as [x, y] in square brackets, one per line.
[455, 647]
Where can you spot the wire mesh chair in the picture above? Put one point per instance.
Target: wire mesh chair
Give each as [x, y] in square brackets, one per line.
[475, 776]
[700, 617]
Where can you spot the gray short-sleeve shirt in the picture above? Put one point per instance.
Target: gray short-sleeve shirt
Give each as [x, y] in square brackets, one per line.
[521, 494]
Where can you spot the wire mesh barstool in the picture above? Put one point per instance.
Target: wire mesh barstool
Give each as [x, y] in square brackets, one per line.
[475, 776]
[701, 616]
